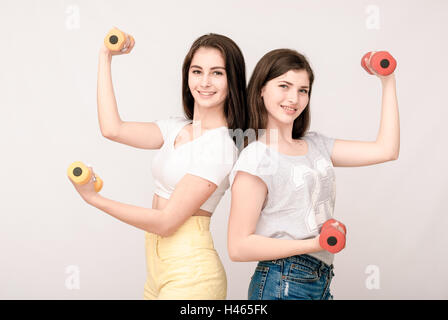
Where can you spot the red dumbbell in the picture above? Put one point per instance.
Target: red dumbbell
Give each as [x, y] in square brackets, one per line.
[332, 238]
[380, 61]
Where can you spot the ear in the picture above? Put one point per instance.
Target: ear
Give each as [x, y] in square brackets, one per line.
[262, 91]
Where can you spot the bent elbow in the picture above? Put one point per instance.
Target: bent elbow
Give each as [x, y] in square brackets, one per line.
[164, 228]
[108, 135]
[233, 256]
[234, 252]
[167, 230]
[394, 157]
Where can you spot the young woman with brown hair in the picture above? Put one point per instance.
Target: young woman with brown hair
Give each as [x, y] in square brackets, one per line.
[283, 183]
[190, 169]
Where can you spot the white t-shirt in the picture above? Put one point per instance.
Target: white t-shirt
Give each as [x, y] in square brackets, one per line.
[301, 189]
[210, 156]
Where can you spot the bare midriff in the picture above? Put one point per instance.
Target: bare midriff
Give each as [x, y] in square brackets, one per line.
[160, 203]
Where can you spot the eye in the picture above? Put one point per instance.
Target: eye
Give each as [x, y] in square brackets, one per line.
[196, 71]
[303, 91]
[284, 86]
[218, 73]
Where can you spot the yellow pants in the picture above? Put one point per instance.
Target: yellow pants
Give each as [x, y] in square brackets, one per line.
[184, 265]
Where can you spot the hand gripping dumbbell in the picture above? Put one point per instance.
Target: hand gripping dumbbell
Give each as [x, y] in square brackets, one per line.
[380, 61]
[115, 40]
[332, 238]
[79, 173]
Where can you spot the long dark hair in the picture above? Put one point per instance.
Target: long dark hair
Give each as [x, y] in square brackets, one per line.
[235, 106]
[272, 65]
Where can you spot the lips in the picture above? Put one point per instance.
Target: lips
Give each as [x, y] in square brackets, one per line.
[206, 93]
[289, 108]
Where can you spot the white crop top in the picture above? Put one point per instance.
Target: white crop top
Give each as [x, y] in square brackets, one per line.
[210, 156]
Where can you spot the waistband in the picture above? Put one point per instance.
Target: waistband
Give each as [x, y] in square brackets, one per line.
[192, 224]
[306, 260]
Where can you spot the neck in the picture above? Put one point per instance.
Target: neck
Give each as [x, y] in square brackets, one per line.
[278, 132]
[209, 117]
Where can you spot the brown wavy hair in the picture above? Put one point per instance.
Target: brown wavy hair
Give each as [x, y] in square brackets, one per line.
[235, 106]
[272, 65]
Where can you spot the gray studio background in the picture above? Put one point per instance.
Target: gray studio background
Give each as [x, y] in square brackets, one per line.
[55, 246]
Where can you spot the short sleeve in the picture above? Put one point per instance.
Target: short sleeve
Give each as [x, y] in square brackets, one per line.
[214, 157]
[327, 142]
[166, 125]
[250, 161]
[324, 143]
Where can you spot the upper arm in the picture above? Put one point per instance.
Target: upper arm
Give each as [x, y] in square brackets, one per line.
[248, 195]
[347, 153]
[143, 135]
[187, 198]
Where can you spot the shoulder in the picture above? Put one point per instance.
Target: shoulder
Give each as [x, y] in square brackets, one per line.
[216, 146]
[219, 137]
[171, 123]
[311, 135]
[322, 141]
[178, 120]
[315, 136]
[251, 160]
[253, 153]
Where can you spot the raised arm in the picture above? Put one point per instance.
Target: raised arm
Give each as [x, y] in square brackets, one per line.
[348, 153]
[143, 135]
[248, 195]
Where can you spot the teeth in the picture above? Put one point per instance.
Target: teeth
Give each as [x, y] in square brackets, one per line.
[206, 93]
[288, 108]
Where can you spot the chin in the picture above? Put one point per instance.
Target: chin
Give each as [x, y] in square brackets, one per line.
[209, 104]
[284, 119]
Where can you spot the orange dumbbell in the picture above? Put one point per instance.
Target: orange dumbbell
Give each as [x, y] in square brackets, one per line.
[79, 173]
[115, 39]
[380, 61]
[332, 238]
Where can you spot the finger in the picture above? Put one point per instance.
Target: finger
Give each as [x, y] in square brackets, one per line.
[127, 42]
[132, 44]
[92, 174]
[368, 63]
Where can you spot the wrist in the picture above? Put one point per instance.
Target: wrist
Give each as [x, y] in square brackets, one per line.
[105, 54]
[388, 79]
[92, 199]
[317, 243]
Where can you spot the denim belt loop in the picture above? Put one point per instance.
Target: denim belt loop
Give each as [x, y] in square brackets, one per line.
[321, 268]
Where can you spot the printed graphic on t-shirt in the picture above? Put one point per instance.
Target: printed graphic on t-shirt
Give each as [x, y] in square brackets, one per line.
[317, 181]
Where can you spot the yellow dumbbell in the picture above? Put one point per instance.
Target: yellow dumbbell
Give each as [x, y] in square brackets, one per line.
[115, 40]
[79, 173]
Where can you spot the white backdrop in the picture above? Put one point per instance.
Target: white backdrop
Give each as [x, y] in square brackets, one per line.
[55, 246]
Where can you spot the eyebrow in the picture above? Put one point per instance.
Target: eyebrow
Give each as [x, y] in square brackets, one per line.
[213, 68]
[291, 84]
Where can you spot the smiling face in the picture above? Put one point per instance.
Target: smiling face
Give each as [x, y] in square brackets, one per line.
[207, 78]
[286, 96]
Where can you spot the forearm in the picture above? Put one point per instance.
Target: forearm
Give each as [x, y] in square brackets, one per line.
[258, 248]
[146, 219]
[389, 132]
[108, 116]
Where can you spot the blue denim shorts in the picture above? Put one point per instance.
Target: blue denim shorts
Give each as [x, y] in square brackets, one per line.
[301, 277]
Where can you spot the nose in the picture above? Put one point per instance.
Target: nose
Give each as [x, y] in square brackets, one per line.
[293, 97]
[205, 81]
